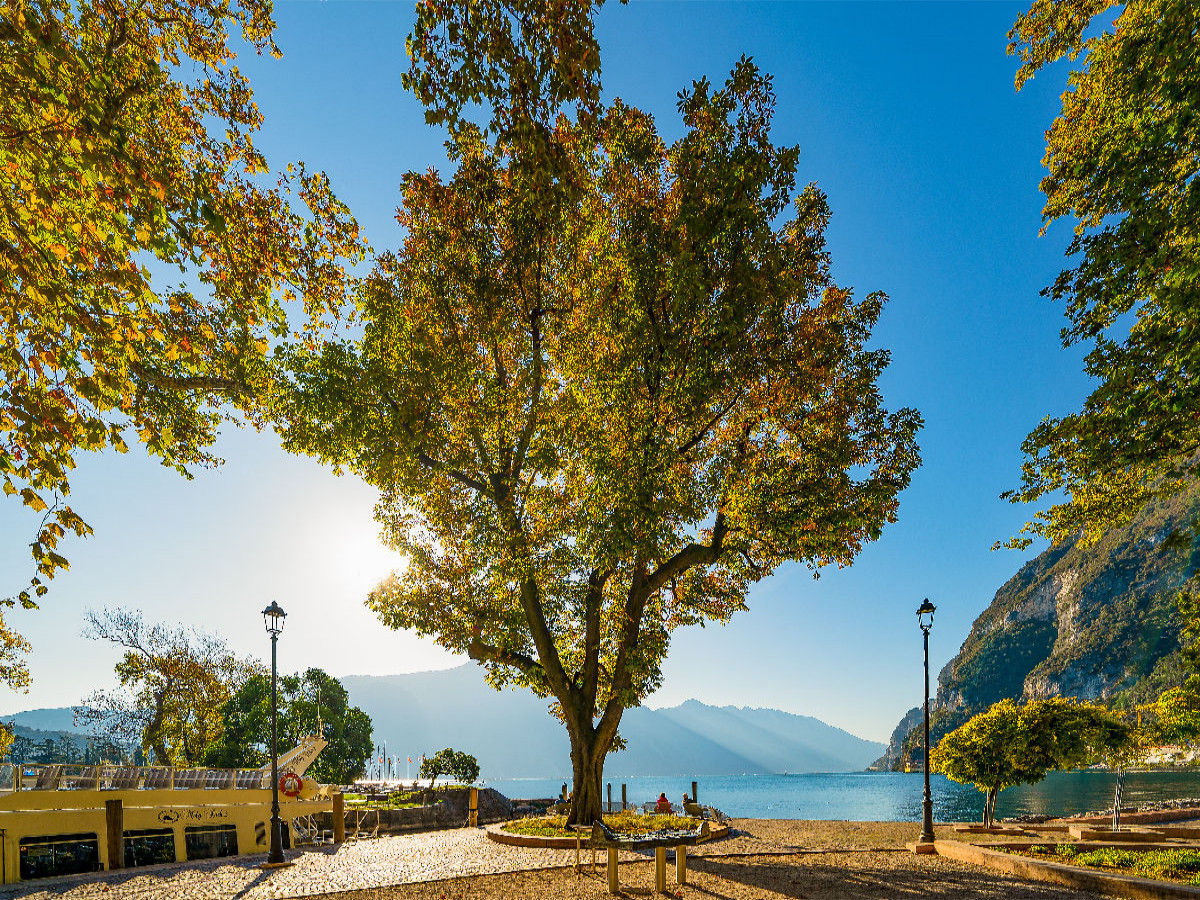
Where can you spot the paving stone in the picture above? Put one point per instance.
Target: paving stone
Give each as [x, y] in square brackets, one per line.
[357, 865]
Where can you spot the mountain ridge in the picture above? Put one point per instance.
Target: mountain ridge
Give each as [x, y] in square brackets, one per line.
[513, 735]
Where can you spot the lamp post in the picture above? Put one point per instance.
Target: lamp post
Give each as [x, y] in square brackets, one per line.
[273, 617]
[925, 622]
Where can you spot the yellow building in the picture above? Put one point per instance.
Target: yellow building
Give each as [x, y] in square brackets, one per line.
[60, 820]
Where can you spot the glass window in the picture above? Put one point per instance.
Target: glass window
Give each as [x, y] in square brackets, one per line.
[207, 841]
[147, 846]
[59, 854]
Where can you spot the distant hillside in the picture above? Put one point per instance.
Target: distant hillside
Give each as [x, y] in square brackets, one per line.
[45, 742]
[894, 756]
[61, 718]
[514, 736]
[1098, 623]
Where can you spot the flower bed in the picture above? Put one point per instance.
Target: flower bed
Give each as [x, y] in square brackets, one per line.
[623, 822]
[1182, 865]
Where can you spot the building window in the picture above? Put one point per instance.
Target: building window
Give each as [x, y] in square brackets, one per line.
[147, 846]
[59, 854]
[207, 841]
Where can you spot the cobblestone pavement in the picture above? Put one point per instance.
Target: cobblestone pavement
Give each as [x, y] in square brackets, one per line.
[402, 859]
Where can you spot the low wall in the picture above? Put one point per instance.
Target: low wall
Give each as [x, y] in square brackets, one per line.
[449, 812]
[1070, 876]
[1149, 817]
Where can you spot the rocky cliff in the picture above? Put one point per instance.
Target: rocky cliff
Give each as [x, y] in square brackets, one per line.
[1098, 623]
[893, 758]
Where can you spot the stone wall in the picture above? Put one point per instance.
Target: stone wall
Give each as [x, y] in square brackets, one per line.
[449, 812]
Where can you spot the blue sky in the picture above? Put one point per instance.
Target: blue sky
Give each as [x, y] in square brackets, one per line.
[906, 116]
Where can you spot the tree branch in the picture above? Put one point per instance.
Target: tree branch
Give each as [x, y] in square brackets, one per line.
[591, 641]
[189, 383]
[543, 640]
[535, 393]
[691, 555]
[481, 652]
[703, 432]
[429, 462]
[461, 477]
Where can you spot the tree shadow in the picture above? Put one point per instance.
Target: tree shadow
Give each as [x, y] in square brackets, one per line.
[791, 879]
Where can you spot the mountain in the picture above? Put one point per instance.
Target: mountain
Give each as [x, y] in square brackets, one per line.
[1097, 623]
[894, 756]
[50, 735]
[60, 718]
[513, 735]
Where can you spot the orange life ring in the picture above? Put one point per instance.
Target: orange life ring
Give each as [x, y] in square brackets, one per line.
[290, 784]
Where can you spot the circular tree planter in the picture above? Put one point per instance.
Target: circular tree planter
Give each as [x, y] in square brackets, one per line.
[500, 836]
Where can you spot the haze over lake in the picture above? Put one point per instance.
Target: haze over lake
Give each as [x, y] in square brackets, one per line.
[884, 796]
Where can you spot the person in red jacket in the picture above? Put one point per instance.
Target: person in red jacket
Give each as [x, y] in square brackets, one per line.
[663, 805]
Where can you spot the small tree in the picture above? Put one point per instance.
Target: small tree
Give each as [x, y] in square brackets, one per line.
[1175, 715]
[462, 767]
[172, 684]
[1010, 744]
[307, 701]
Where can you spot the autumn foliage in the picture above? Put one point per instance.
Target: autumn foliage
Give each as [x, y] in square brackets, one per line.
[1122, 158]
[146, 256]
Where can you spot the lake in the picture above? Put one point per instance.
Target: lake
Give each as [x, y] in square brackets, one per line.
[883, 796]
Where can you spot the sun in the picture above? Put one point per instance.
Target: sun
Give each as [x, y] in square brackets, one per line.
[359, 559]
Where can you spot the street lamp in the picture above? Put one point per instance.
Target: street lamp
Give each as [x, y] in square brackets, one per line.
[273, 617]
[925, 622]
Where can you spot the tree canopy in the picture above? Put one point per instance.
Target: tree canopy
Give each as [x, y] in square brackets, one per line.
[310, 702]
[462, 767]
[605, 385]
[126, 155]
[1122, 158]
[1175, 714]
[172, 684]
[1010, 744]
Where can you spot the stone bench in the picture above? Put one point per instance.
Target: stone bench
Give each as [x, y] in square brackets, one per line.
[658, 841]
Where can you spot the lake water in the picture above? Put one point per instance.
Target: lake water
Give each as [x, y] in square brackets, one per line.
[883, 796]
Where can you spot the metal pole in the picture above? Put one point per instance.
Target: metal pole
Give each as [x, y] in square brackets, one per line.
[927, 817]
[276, 855]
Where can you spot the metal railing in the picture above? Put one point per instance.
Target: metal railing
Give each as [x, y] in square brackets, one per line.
[60, 777]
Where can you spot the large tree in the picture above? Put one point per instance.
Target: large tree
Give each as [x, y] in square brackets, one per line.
[310, 702]
[605, 386]
[1122, 159]
[126, 146]
[172, 683]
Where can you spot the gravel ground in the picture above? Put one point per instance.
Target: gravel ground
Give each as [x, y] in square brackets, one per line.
[761, 859]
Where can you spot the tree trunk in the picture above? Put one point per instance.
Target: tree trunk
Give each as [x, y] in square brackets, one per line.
[989, 807]
[587, 770]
